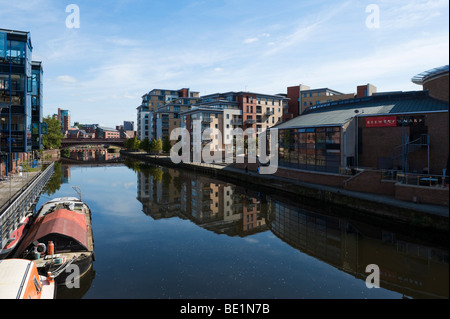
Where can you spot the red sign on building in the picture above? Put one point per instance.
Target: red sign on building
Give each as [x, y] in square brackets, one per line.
[381, 121]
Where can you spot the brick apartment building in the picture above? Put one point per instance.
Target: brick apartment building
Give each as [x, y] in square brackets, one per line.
[228, 111]
[302, 97]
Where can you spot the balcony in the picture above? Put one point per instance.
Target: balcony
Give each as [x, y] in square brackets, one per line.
[207, 120]
[250, 121]
[236, 122]
[270, 113]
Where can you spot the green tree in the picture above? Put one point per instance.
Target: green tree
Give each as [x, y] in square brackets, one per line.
[152, 148]
[167, 145]
[136, 144]
[53, 139]
[159, 146]
[145, 145]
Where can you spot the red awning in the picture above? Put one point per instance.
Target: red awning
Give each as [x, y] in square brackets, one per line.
[62, 222]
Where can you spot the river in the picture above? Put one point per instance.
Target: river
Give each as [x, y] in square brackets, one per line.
[169, 234]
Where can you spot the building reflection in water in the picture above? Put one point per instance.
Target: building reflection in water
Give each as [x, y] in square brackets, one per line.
[414, 269]
[97, 154]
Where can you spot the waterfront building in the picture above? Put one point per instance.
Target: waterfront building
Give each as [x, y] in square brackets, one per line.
[19, 125]
[151, 102]
[37, 104]
[407, 131]
[231, 110]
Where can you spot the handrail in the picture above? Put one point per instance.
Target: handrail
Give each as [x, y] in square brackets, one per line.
[23, 202]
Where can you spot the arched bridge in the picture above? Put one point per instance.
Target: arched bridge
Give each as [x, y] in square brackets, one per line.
[91, 141]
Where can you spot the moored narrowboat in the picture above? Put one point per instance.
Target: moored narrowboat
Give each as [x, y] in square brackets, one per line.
[19, 279]
[60, 241]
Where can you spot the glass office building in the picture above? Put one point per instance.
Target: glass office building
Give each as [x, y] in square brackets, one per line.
[15, 91]
[21, 115]
[36, 105]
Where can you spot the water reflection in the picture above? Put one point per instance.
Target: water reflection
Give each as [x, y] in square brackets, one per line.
[98, 154]
[411, 268]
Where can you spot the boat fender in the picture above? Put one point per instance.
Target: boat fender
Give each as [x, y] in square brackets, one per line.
[41, 248]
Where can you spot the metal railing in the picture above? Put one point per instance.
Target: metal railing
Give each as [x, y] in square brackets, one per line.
[11, 216]
[416, 179]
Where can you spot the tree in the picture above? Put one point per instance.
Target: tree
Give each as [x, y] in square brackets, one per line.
[152, 146]
[145, 145]
[136, 144]
[159, 146]
[53, 139]
[167, 145]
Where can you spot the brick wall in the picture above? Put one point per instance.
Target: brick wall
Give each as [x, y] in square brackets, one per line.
[370, 182]
[438, 88]
[379, 142]
[422, 194]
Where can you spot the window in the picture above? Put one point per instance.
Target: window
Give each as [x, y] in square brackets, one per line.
[3, 45]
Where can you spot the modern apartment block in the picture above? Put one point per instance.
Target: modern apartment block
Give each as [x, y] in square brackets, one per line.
[227, 111]
[20, 98]
[152, 101]
[64, 119]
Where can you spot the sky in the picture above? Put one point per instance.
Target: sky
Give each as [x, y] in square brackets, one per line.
[122, 49]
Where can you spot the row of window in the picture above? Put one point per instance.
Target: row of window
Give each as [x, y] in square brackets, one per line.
[315, 149]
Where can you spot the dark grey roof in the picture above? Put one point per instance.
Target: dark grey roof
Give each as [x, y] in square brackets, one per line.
[340, 112]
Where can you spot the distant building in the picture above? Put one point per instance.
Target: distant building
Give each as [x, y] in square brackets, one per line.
[107, 133]
[64, 119]
[128, 126]
[89, 128]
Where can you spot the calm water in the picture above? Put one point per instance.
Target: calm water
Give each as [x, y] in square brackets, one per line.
[163, 233]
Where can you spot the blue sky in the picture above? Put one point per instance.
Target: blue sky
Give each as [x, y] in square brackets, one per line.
[125, 48]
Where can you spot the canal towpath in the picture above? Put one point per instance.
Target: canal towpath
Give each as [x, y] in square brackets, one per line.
[12, 187]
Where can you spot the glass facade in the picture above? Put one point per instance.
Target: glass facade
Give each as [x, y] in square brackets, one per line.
[36, 105]
[315, 149]
[15, 92]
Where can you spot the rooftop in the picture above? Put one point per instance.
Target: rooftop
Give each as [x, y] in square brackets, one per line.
[421, 78]
[340, 112]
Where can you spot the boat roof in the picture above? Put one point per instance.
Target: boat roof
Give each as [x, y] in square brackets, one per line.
[62, 222]
[13, 272]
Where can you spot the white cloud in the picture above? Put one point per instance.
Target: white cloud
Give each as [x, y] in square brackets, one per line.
[66, 79]
[250, 40]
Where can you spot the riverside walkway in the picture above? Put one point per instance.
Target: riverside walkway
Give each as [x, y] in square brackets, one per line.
[17, 195]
